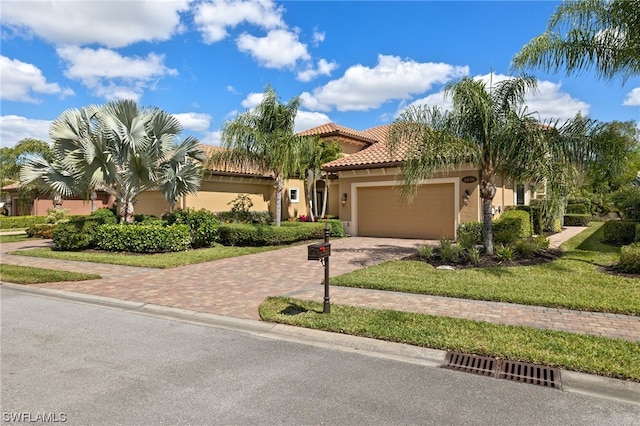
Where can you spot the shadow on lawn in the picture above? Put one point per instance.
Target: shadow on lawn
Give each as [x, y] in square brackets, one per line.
[294, 309]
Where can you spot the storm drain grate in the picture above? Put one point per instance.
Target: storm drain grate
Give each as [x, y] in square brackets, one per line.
[481, 365]
[504, 369]
[530, 373]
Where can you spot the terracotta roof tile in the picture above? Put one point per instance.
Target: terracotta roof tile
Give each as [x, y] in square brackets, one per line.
[329, 129]
[376, 155]
[228, 169]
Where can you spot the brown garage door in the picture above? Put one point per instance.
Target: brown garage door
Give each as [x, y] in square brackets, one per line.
[381, 212]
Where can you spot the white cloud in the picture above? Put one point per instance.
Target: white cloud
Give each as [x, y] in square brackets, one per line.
[194, 121]
[307, 120]
[252, 100]
[212, 138]
[318, 37]
[214, 17]
[109, 23]
[21, 81]
[363, 88]
[633, 98]
[112, 75]
[278, 49]
[549, 102]
[324, 68]
[14, 128]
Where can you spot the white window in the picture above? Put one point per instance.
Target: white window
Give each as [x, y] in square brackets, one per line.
[294, 195]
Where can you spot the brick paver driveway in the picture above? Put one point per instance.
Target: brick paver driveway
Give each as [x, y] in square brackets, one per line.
[234, 286]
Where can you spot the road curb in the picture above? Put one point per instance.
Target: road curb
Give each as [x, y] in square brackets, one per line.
[574, 382]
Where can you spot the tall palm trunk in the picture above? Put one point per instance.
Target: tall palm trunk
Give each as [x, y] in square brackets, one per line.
[279, 186]
[487, 192]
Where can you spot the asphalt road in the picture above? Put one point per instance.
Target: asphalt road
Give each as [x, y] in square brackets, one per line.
[92, 365]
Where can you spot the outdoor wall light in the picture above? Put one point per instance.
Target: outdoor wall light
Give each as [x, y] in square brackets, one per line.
[465, 197]
[344, 198]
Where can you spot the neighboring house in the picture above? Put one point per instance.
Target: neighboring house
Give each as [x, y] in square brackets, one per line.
[363, 191]
[20, 206]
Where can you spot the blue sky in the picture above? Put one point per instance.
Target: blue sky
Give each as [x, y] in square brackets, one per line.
[355, 63]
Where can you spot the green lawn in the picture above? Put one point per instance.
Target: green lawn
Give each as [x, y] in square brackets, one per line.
[14, 238]
[576, 281]
[157, 260]
[28, 275]
[589, 354]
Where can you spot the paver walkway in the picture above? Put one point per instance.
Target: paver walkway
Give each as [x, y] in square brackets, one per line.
[236, 286]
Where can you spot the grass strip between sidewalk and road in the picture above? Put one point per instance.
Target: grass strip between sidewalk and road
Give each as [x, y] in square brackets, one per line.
[28, 275]
[575, 281]
[155, 260]
[589, 354]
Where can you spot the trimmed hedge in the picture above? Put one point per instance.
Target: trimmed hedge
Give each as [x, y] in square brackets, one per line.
[261, 217]
[619, 232]
[535, 214]
[512, 226]
[630, 258]
[577, 209]
[203, 225]
[576, 219]
[40, 230]
[13, 222]
[249, 235]
[78, 233]
[143, 238]
[337, 230]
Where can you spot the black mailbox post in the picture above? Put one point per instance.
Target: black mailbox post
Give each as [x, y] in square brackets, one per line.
[321, 252]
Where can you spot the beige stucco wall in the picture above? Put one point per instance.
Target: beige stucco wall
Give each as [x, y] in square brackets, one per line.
[217, 193]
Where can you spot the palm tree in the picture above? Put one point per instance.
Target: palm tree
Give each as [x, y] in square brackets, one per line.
[264, 138]
[584, 34]
[122, 149]
[315, 153]
[489, 129]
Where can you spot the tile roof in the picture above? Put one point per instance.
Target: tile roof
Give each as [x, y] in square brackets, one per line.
[332, 129]
[374, 156]
[231, 169]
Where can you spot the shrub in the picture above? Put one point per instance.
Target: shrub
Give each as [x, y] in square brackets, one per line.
[203, 225]
[143, 238]
[337, 230]
[261, 217]
[449, 252]
[145, 218]
[512, 226]
[473, 255]
[630, 258]
[107, 216]
[576, 219]
[619, 232]
[78, 232]
[535, 214]
[238, 234]
[505, 253]
[425, 252]
[637, 233]
[577, 209]
[40, 230]
[470, 234]
[13, 222]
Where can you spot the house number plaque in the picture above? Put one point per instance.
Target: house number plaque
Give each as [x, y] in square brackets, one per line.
[469, 179]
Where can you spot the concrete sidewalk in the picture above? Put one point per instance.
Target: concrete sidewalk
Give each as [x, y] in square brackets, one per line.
[235, 287]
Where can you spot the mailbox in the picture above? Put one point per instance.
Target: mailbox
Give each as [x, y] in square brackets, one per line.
[319, 251]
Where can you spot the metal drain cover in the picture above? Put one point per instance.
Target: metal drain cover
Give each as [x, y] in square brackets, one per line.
[481, 365]
[530, 373]
[504, 369]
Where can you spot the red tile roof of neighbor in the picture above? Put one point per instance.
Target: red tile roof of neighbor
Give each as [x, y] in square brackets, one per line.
[231, 169]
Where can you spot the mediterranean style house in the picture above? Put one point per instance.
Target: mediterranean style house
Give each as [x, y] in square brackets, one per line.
[362, 186]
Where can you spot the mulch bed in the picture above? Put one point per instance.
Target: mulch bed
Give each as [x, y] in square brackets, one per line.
[489, 261]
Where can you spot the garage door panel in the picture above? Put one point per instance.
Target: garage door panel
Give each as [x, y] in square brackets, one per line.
[430, 215]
